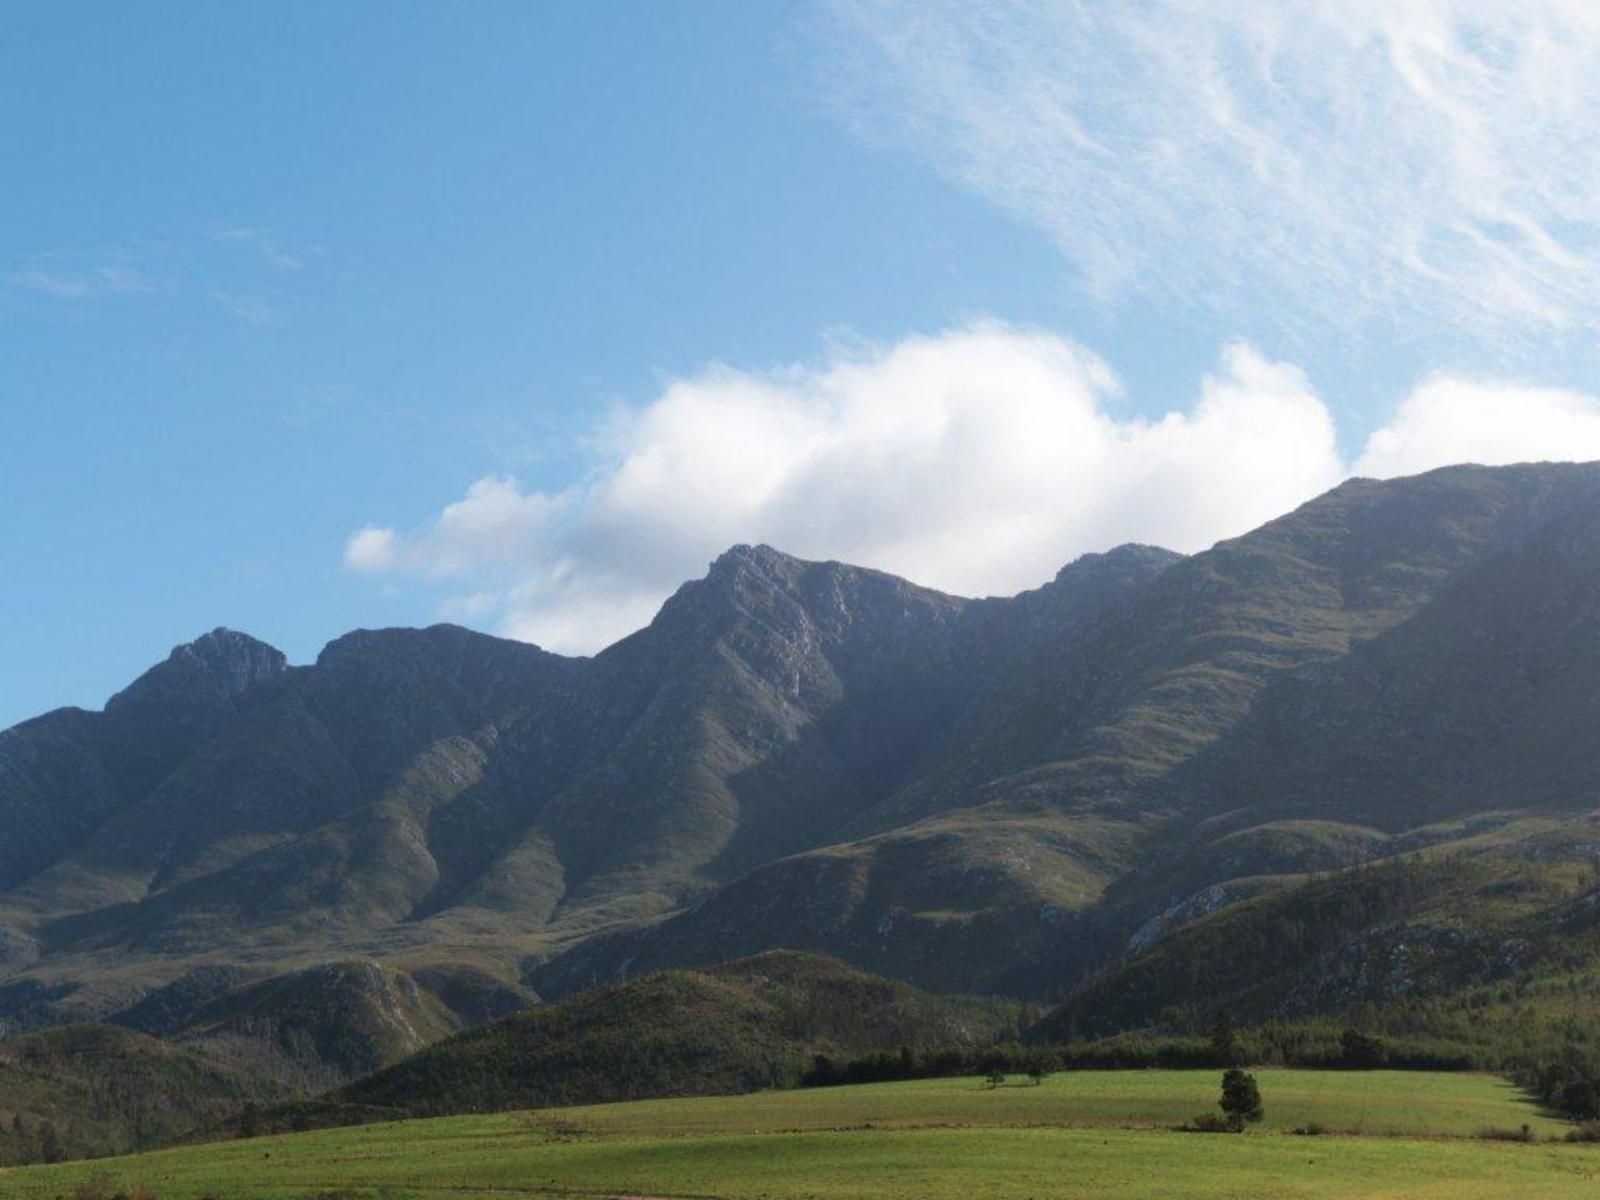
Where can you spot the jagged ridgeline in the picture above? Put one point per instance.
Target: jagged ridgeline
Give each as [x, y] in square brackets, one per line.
[1096, 789]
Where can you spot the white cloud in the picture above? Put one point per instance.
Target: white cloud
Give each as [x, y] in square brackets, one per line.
[262, 241]
[47, 283]
[978, 462]
[371, 549]
[495, 524]
[249, 307]
[1422, 163]
[106, 279]
[1448, 420]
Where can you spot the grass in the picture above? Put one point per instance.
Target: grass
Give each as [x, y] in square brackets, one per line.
[1370, 1102]
[1079, 1135]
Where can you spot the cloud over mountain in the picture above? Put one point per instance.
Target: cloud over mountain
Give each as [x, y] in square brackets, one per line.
[1449, 420]
[977, 462]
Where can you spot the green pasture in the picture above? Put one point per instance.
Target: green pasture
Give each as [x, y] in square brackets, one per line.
[1084, 1134]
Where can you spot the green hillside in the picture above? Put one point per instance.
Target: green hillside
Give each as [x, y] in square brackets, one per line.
[86, 1090]
[738, 1028]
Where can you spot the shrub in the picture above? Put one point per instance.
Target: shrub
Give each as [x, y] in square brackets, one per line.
[1241, 1098]
[1588, 1131]
[1495, 1134]
[1206, 1123]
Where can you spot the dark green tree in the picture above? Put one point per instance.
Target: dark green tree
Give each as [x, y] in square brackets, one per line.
[1360, 1052]
[50, 1148]
[1580, 1100]
[823, 1073]
[1224, 1039]
[22, 1152]
[1241, 1098]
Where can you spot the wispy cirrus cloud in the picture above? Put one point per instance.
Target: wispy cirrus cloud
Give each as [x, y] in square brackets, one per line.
[101, 280]
[196, 265]
[262, 241]
[1427, 164]
[250, 307]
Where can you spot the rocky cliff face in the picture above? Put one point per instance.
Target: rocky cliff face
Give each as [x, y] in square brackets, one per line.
[991, 794]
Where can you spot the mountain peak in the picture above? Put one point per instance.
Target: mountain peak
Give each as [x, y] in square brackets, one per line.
[228, 650]
[744, 556]
[229, 661]
[732, 576]
[1127, 556]
[215, 666]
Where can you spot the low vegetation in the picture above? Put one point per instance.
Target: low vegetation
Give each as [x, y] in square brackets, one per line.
[753, 1024]
[1077, 1134]
[88, 1090]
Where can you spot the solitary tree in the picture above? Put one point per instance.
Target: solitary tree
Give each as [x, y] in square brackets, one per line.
[1241, 1098]
[997, 1078]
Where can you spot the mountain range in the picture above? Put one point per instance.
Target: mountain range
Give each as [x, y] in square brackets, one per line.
[321, 869]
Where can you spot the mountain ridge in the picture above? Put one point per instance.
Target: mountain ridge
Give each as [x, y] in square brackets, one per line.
[972, 795]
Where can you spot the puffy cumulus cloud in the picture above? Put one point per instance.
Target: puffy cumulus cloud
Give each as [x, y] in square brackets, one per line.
[493, 524]
[978, 461]
[1448, 420]
[1419, 163]
[371, 549]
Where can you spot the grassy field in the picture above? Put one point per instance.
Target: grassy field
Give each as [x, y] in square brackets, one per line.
[1086, 1134]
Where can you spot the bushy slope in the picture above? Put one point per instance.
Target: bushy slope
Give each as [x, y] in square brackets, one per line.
[1477, 911]
[96, 1089]
[316, 1027]
[743, 1026]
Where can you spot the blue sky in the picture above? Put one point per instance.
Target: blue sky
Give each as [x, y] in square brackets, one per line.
[317, 316]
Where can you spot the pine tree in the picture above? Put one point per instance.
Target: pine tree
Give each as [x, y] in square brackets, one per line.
[1241, 1098]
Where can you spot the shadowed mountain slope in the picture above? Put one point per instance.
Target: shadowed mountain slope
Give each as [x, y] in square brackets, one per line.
[994, 794]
